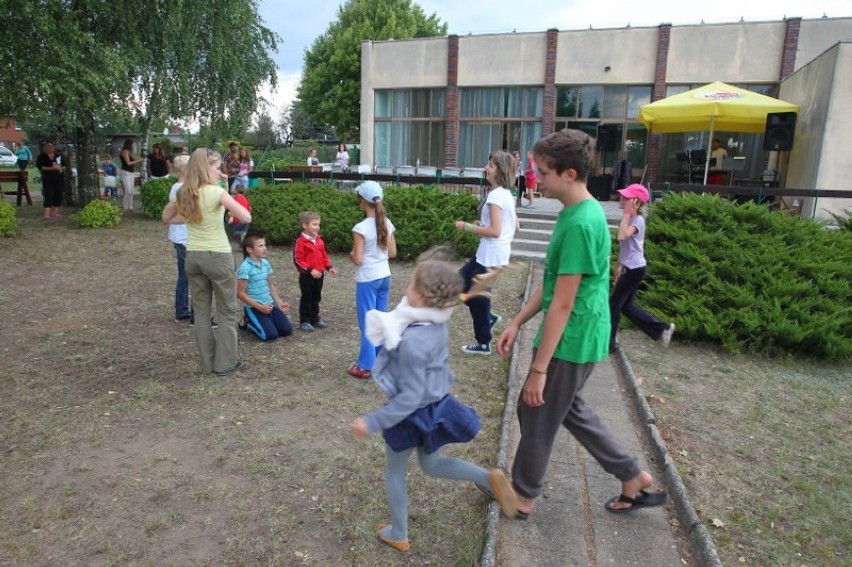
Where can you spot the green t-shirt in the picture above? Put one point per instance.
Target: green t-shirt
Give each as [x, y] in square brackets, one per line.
[580, 244]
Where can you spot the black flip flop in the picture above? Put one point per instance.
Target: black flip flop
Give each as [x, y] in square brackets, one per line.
[643, 500]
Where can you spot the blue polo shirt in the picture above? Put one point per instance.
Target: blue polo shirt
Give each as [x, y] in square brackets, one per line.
[257, 276]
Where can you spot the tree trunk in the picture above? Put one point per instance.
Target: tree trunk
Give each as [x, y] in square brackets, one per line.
[64, 149]
[87, 162]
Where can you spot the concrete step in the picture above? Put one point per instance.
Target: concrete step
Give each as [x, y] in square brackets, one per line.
[530, 245]
[533, 234]
[527, 255]
[538, 224]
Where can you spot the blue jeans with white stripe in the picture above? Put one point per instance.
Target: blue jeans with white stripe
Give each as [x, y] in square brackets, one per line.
[268, 327]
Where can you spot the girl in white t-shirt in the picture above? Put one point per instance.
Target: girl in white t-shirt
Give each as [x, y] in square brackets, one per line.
[496, 229]
[374, 244]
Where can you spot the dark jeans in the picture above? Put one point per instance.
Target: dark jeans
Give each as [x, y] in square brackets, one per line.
[480, 307]
[621, 302]
[268, 327]
[311, 289]
[182, 308]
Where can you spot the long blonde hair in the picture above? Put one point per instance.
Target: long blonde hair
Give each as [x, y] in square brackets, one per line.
[198, 174]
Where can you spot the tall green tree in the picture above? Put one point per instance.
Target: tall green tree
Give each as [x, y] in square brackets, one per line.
[73, 62]
[331, 80]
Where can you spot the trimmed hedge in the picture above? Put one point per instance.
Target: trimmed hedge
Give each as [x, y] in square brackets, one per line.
[155, 196]
[99, 214]
[750, 279]
[423, 216]
[8, 220]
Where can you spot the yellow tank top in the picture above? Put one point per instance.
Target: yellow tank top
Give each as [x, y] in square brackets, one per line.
[209, 234]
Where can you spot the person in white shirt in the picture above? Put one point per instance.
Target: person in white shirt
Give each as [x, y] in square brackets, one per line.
[342, 157]
[312, 158]
[496, 229]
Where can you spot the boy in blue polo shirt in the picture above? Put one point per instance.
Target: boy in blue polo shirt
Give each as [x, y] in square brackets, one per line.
[264, 308]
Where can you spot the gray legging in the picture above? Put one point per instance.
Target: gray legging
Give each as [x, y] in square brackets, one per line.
[435, 464]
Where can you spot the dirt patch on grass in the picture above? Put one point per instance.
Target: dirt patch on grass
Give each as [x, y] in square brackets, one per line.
[762, 446]
[115, 451]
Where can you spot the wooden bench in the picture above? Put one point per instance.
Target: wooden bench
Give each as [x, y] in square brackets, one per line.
[21, 178]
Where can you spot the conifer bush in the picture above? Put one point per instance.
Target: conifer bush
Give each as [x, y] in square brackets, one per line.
[8, 220]
[423, 216]
[750, 279]
[99, 214]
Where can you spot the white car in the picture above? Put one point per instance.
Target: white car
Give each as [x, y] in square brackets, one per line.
[7, 157]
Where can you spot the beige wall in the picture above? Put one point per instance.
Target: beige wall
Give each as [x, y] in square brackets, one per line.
[415, 63]
[820, 158]
[504, 59]
[816, 36]
[582, 56]
[741, 53]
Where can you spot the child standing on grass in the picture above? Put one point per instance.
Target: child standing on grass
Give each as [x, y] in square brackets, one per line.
[420, 413]
[178, 238]
[573, 336]
[631, 270]
[110, 177]
[312, 261]
[263, 306]
[496, 229]
[239, 229]
[373, 244]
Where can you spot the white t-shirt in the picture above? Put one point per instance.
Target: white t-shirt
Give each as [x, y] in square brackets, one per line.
[493, 252]
[374, 263]
[177, 232]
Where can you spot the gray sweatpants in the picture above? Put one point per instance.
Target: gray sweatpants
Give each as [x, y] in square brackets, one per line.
[212, 274]
[563, 405]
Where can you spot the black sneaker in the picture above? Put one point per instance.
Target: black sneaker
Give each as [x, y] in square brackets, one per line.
[320, 324]
[494, 318]
[477, 348]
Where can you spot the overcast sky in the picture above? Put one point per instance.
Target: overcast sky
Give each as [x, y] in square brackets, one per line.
[300, 22]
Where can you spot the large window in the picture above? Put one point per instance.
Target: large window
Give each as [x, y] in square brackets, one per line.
[498, 118]
[410, 126]
[749, 147]
[587, 107]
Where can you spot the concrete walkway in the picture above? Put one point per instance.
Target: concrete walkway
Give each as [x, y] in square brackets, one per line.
[570, 526]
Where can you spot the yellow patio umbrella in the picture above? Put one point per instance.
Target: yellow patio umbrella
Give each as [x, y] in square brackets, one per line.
[713, 107]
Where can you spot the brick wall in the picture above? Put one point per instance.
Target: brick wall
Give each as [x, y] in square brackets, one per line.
[652, 151]
[791, 47]
[451, 124]
[549, 99]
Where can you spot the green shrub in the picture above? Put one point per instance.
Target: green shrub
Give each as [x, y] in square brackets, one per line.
[750, 279]
[155, 196]
[844, 220]
[423, 216]
[99, 214]
[8, 220]
[296, 155]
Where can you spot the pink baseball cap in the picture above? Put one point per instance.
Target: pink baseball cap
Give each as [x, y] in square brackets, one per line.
[635, 191]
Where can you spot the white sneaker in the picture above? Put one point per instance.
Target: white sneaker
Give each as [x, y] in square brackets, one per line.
[667, 335]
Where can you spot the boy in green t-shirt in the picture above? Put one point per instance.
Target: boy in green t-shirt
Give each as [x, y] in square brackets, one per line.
[574, 335]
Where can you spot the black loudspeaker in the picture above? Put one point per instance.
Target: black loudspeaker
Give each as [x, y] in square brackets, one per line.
[607, 138]
[780, 128]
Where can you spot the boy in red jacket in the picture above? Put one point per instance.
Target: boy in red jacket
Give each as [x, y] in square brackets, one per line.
[312, 262]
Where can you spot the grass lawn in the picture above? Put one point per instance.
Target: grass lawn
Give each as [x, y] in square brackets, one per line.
[762, 446]
[116, 452]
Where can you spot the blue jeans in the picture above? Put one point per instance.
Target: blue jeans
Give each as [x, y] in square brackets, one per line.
[370, 295]
[480, 307]
[182, 309]
[268, 327]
